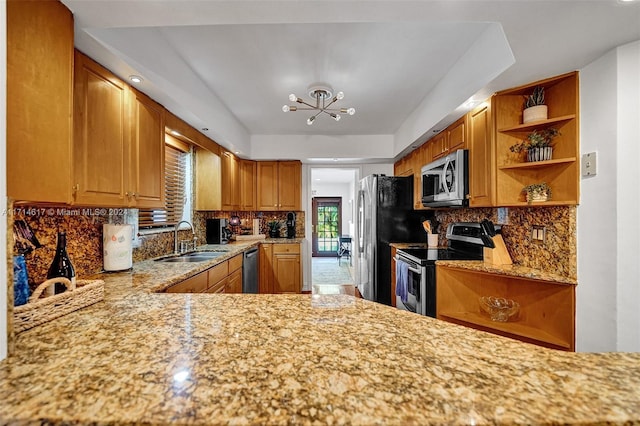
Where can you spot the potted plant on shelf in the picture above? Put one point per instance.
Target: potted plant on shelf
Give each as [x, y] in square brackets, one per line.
[274, 228]
[538, 144]
[534, 106]
[537, 192]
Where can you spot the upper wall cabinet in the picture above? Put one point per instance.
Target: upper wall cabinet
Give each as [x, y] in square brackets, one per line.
[481, 163]
[561, 171]
[118, 144]
[247, 173]
[279, 185]
[230, 181]
[449, 140]
[39, 102]
[207, 180]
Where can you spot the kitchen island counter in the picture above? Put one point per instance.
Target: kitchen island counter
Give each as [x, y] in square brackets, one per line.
[144, 357]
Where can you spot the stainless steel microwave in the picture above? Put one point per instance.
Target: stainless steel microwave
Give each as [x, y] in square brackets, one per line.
[445, 181]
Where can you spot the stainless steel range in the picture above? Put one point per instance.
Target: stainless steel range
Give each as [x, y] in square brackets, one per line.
[418, 266]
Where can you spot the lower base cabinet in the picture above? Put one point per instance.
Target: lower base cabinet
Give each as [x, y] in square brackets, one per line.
[547, 309]
[280, 269]
[225, 277]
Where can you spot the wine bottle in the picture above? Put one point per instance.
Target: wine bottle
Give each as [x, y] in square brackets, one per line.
[61, 265]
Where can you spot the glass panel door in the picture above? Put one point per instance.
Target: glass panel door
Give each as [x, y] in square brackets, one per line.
[327, 226]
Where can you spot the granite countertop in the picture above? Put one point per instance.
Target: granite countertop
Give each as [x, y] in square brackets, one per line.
[509, 270]
[158, 358]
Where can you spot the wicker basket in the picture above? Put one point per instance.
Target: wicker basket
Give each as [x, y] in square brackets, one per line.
[39, 311]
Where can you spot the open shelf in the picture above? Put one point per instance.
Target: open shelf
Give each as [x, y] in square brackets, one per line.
[513, 328]
[535, 164]
[529, 127]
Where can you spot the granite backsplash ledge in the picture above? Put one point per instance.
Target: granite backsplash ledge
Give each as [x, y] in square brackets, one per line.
[557, 254]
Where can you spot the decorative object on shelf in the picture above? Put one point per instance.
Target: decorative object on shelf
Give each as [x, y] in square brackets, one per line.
[499, 308]
[320, 93]
[537, 192]
[534, 106]
[274, 228]
[538, 144]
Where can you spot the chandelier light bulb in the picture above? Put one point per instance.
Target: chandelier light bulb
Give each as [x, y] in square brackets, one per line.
[293, 97]
[286, 108]
[310, 120]
[351, 111]
[336, 117]
[339, 95]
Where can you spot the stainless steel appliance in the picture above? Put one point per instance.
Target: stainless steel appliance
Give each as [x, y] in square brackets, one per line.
[384, 214]
[250, 271]
[217, 231]
[445, 182]
[465, 242]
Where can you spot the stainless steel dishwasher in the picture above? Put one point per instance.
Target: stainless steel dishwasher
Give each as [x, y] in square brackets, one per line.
[250, 271]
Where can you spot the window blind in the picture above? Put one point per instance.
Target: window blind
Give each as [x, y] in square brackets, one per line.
[175, 162]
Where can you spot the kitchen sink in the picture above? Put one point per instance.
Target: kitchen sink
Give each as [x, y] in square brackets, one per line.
[198, 256]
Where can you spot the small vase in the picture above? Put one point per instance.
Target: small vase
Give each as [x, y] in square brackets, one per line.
[539, 154]
[534, 113]
[274, 233]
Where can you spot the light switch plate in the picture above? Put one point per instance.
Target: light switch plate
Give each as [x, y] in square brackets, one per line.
[589, 164]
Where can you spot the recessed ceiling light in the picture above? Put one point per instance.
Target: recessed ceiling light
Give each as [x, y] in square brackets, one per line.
[237, 152]
[205, 129]
[175, 133]
[136, 78]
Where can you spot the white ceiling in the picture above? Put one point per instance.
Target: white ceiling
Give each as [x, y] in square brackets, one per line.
[229, 66]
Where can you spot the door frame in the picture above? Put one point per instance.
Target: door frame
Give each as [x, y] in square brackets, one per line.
[314, 224]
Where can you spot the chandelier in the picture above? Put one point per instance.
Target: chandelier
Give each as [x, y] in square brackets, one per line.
[323, 95]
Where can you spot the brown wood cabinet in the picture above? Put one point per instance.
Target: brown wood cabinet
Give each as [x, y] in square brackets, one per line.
[118, 141]
[561, 173]
[481, 159]
[450, 139]
[39, 101]
[225, 277]
[280, 268]
[547, 309]
[279, 185]
[248, 184]
[207, 180]
[230, 181]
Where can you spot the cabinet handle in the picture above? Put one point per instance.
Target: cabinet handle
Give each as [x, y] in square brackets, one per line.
[134, 195]
[75, 188]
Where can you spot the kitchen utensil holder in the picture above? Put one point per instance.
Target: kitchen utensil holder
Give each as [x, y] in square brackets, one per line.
[40, 311]
[498, 255]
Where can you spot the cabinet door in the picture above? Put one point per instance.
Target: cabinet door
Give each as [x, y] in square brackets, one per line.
[234, 283]
[456, 135]
[39, 103]
[230, 182]
[267, 184]
[100, 140]
[439, 145]
[266, 269]
[481, 165]
[286, 268]
[146, 184]
[247, 172]
[286, 273]
[289, 185]
[207, 181]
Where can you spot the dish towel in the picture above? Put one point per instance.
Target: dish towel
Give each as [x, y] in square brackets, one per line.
[402, 280]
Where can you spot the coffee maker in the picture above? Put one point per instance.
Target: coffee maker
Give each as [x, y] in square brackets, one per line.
[291, 225]
[217, 231]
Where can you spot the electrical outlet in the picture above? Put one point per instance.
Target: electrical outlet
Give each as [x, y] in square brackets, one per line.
[538, 234]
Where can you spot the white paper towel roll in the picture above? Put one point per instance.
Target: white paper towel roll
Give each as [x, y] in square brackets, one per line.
[117, 251]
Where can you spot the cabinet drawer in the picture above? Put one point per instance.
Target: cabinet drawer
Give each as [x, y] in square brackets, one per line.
[218, 272]
[286, 248]
[235, 263]
[219, 287]
[195, 284]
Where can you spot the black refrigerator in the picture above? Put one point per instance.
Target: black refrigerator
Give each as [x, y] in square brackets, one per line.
[385, 215]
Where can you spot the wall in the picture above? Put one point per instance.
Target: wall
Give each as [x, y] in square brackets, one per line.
[3, 185]
[607, 316]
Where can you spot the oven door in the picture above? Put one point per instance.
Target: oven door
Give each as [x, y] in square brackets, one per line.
[415, 286]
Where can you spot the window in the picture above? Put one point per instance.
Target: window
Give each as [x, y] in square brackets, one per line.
[177, 173]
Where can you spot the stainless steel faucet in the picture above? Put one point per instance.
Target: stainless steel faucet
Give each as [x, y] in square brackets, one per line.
[175, 236]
